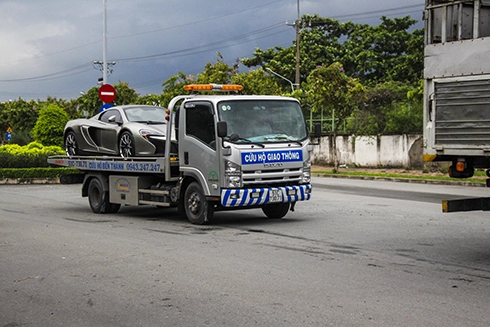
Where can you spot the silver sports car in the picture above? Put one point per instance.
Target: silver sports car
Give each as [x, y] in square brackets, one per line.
[126, 131]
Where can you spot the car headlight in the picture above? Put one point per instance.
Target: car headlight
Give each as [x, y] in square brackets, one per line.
[306, 176]
[233, 175]
[145, 133]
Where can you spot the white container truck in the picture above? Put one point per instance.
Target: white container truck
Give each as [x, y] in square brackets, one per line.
[457, 90]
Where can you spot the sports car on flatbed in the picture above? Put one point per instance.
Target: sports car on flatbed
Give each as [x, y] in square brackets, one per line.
[126, 131]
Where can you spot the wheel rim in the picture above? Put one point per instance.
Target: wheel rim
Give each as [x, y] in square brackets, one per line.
[194, 203]
[71, 145]
[126, 145]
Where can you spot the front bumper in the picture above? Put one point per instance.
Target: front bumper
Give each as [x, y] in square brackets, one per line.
[261, 196]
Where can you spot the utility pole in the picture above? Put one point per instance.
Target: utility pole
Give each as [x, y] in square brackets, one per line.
[297, 27]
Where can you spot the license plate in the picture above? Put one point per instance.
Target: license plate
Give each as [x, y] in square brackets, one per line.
[275, 196]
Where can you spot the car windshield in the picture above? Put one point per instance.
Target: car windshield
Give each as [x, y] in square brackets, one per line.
[263, 120]
[150, 115]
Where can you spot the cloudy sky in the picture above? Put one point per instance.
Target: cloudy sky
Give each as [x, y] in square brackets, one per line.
[47, 47]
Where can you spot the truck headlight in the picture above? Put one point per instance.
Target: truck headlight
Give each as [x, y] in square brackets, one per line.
[233, 175]
[306, 176]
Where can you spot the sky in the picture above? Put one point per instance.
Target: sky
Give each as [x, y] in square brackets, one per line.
[47, 48]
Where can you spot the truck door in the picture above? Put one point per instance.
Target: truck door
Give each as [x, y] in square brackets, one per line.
[197, 146]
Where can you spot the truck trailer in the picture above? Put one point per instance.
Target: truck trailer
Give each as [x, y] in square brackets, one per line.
[457, 90]
[223, 151]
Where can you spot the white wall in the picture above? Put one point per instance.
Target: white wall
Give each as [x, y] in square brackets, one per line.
[372, 151]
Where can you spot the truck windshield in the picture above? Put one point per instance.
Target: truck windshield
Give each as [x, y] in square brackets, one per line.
[263, 120]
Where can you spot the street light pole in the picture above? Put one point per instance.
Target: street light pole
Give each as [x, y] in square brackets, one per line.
[284, 78]
[104, 46]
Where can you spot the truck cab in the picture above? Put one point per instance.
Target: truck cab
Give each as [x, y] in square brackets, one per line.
[239, 151]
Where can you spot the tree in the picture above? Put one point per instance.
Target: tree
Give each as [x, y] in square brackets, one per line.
[91, 103]
[257, 82]
[218, 73]
[370, 53]
[50, 125]
[330, 88]
[21, 116]
[388, 108]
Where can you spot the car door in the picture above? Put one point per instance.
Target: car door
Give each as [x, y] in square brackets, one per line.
[107, 132]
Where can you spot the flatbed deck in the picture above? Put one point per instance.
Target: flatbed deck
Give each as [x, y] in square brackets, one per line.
[114, 164]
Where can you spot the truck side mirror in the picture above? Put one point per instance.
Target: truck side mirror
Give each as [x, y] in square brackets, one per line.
[222, 129]
[317, 133]
[318, 130]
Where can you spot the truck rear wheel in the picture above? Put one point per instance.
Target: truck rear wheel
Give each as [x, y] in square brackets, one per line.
[197, 209]
[99, 199]
[276, 211]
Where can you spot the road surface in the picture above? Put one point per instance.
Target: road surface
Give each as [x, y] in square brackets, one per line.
[359, 253]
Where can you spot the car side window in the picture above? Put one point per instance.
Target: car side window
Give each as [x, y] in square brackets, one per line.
[200, 123]
[106, 115]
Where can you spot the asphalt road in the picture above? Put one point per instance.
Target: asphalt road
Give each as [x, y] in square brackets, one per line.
[360, 253]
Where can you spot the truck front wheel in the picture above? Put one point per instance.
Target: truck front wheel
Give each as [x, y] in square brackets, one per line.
[197, 209]
[276, 211]
[98, 199]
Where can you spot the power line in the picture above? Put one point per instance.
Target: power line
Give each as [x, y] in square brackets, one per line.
[220, 42]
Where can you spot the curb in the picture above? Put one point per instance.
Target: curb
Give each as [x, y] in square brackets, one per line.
[403, 180]
[27, 181]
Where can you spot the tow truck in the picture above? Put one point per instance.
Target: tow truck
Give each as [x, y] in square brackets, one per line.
[230, 151]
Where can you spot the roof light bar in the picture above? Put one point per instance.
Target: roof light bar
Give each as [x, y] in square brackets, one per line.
[213, 87]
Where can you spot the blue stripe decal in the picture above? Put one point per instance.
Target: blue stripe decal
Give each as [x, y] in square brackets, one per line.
[243, 197]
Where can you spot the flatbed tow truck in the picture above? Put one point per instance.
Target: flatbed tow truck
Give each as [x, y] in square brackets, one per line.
[219, 165]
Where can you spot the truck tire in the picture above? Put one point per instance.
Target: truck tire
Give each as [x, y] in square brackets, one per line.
[99, 200]
[276, 211]
[197, 209]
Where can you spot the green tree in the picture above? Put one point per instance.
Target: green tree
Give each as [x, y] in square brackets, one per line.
[21, 116]
[50, 125]
[150, 99]
[174, 86]
[330, 88]
[388, 108]
[257, 82]
[372, 54]
[90, 102]
[218, 73]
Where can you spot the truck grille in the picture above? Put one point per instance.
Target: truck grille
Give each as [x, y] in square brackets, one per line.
[462, 111]
[275, 177]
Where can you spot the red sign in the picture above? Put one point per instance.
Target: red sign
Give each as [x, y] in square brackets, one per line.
[107, 93]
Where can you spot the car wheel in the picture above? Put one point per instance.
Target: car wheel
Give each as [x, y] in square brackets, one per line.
[126, 145]
[71, 146]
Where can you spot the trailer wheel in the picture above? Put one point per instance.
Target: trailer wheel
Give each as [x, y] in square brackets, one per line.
[197, 209]
[99, 200]
[276, 211]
